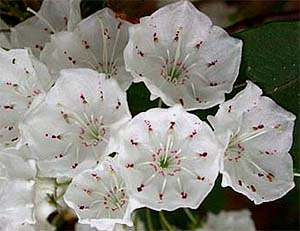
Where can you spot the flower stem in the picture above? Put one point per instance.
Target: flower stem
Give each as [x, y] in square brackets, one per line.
[165, 222]
[297, 174]
[149, 220]
[159, 103]
[190, 216]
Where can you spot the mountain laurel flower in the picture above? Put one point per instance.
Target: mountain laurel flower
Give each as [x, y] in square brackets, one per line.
[168, 158]
[70, 130]
[23, 81]
[53, 16]
[16, 188]
[99, 197]
[97, 43]
[235, 220]
[182, 58]
[256, 134]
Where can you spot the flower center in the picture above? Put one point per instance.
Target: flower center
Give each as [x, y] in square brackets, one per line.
[91, 129]
[235, 146]
[115, 199]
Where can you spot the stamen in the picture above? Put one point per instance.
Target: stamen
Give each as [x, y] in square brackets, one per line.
[104, 54]
[114, 49]
[247, 136]
[177, 53]
[41, 18]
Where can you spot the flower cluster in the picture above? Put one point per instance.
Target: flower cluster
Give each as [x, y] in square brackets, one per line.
[68, 139]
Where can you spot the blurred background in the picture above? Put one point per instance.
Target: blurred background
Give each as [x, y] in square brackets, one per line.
[234, 16]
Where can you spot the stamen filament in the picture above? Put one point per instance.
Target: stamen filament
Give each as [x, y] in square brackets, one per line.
[41, 18]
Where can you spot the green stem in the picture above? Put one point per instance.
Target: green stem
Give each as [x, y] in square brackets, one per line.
[135, 222]
[165, 221]
[159, 103]
[296, 174]
[149, 220]
[190, 216]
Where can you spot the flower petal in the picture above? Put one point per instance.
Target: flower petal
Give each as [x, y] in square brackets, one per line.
[70, 131]
[4, 36]
[230, 221]
[23, 79]
[97, 43]
[16, 188]
[182, 57]
[99, 197]
[53, 16]
[169, 158]
[256, 161]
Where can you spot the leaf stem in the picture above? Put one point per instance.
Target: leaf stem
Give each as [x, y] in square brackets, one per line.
[165, 221]
[296, 174]
[190, 215]
[149, 220]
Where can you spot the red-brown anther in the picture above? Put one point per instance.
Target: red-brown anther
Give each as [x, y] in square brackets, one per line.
[240, 182]
[270, 177]
[140, 188]
[172, 124]
[181, 101]
[204, 154]
[229, 108]
[183, 195]
[212, 63]
[133, 142]
[253, 189]
[161, 196]
[129, 165]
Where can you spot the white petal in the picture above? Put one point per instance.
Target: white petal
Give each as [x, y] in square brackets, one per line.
[53, 16]
[230, 221]
[99, 197]
[16, 188]
[169, 158]
[182, 57]
[69, 132]
[97, 43]
[256, 161]
[4, 36]
[23, 79]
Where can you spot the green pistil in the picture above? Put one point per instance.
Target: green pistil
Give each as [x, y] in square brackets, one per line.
[164, 163]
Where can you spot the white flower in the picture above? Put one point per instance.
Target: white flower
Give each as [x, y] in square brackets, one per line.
[257, 135]
[182, 58]
[169, 158]
[53, 16]
[23, 79]
[97, 43]
[99, 197]
[4, 38]
[70, 130]
[16, 188]
[229, 221]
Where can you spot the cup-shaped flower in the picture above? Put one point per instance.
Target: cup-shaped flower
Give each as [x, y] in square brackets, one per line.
[182, 58]
[70, 130]
[169, 158]
[97, 43]
[53, 16]
[16, 188]
[256, 134]
[229, 221]
[23, 79]
[99, 197]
